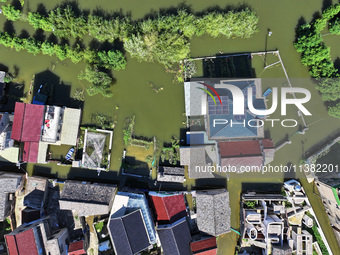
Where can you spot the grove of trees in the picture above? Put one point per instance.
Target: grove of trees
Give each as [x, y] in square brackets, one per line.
[317, 57]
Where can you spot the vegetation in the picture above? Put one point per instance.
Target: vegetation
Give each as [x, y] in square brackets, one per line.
[250, 204]
[104, 122]
[128, 131]
[164, 38]
[171, 153]
[99, 226]
[79, 95]
[11, 13]
[316, 56]
[100, 81]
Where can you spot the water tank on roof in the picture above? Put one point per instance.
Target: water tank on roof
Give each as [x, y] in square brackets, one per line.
[297, 188]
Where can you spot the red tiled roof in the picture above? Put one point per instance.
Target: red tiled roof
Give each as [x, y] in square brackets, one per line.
[267, 144]
[240, 149]
[244, 161]
[169, 208]
[76, 248]
[11, 245]
[22, 243]
[204, 247]
[18, 121]
[30, 153]
[27, 122]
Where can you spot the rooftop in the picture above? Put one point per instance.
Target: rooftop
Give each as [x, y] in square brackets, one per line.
[87, 199]
[9, 183]
[71, 122]
[129, 234]
[52, 124]
[213, 211]
[35, 192]
[175, 238]
[27, 122]
[169, 208]
[22, 243]
[126, 202]
[206, 246]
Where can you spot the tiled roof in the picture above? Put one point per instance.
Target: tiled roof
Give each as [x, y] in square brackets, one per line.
[129, 234]
[169, 208]
[76, 248]
[27, 122]
[87, 199]
[31, 150]
[22, 243]
[267, 143]
[237, 162]
[204, 247]
[9, 183]
[240, 148]
[175, 238]
[213, 211]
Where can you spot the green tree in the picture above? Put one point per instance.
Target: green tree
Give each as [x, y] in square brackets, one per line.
[100, 81]
[11, 13]
[112, 59]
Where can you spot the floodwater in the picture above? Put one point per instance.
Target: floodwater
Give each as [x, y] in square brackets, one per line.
[160, 115]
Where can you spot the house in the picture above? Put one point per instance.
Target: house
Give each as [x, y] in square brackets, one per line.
[207, 246]
[248, 153]
[168, 208]
[36, 192]
[6, 121]
[27, 123]
[9, 184]
[175, 238]
[171, 174]
[57, 243]
[87, 199]
[60, 127]
[38, 126]
[219, 106]
[198, 159]
[77, 248]
[329, 189]
[129, 234]
[126, 202]
[213, 211]
[39, 237]
[303, 242]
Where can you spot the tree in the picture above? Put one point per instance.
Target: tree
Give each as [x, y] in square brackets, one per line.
[11, 13]
[112, 59]
[100, 81]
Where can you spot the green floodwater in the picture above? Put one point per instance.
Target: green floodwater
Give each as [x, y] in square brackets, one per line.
[160, 114]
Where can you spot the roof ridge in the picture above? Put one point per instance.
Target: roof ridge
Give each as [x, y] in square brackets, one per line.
[173, 235]
[127, 236]
[166, 209]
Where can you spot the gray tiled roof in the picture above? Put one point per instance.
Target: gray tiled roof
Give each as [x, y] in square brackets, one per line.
[35, 192]
[9, 183]
[213, 211]
[198, 156]
[2, 76]
[87, 199]
[194, 97]
[175, 238]
[129, 234]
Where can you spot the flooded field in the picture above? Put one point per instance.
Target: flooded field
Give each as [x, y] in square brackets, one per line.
[161, 114]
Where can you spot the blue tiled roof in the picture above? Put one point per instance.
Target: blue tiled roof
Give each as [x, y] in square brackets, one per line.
[226, 130]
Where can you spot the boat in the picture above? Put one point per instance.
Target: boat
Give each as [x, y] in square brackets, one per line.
[267, 92]
[69, 154]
